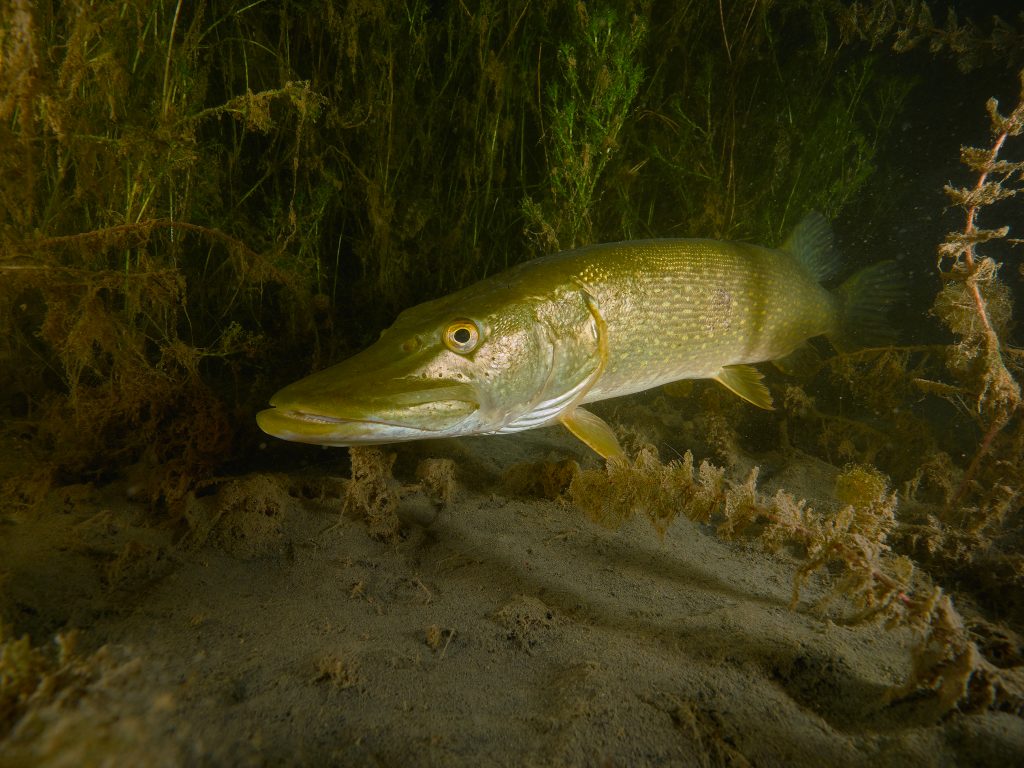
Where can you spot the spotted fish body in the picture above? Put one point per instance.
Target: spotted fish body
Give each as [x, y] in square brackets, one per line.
[686, 309]
[532, 345]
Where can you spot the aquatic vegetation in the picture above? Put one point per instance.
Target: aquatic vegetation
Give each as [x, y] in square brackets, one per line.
[437, 479]
[386, 504]
[124, 284]
[910, 24]
[373, 493]
[546, 479]
[586, 109]
[855, 535]
[62, 683]
[31, 677]
[877, 583]
[21, 668]
[646, 486]
[948, 662]
[973, 302]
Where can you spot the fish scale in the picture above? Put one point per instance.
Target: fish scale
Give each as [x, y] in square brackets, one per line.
[683, 309]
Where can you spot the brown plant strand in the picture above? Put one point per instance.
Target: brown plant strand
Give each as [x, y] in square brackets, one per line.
[967, 268]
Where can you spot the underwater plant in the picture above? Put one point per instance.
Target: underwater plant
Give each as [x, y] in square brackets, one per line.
[973, 303]
[586, 108]
[911, 24]
[877, 582]
[129, 294]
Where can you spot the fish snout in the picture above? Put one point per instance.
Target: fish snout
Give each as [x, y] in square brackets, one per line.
[309, 411]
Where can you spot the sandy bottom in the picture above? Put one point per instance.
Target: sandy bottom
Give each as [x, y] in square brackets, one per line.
[499, 631]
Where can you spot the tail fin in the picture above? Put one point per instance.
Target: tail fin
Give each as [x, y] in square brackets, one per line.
[864, 303]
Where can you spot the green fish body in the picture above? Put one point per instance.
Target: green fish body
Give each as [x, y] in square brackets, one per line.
[532, 345]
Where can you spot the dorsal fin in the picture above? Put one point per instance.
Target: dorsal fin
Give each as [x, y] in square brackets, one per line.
[811, 245]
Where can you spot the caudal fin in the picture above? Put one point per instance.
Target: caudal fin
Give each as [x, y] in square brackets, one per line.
[865, 303]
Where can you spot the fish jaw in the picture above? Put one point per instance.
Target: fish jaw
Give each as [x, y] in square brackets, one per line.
[354, 404]
[319, 429]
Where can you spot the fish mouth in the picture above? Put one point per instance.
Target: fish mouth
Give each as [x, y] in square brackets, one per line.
[370, 422]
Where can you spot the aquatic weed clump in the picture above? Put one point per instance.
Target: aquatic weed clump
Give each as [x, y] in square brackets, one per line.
[852, 541]
[855, 535]
[131, 290]
[907, 25]
[973, 302]
[586, 107]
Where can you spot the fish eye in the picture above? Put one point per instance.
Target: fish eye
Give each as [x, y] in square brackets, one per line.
[462, 336]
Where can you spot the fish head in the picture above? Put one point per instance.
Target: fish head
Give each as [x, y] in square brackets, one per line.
[450, 367]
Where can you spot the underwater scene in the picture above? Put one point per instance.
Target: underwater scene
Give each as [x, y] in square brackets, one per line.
[393, 382]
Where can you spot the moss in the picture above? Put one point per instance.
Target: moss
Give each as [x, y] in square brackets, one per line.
[540, 479]
[22, 667]
[373, 494]
[437, 479]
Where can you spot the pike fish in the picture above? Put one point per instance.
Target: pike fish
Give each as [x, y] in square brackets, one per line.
[533, 345]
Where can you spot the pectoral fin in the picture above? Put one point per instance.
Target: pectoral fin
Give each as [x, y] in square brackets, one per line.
[745, 381]
[593, 431]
